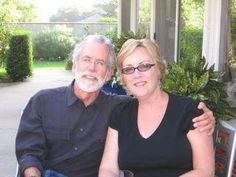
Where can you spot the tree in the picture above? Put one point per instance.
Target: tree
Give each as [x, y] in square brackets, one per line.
[191, 34]
[192, 13]
[145, 11]
[108, 9]
[72, 14]
[12, 11]
[27, 11]
[67, 14]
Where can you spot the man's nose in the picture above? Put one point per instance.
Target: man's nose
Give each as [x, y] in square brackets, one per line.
[92, 66]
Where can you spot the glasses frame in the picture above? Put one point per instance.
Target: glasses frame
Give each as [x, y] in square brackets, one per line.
[141, 68]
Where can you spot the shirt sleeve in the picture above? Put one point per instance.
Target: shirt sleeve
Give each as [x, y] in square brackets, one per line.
[124, 116]
[115, 122]
[191, 112]
[30, 140]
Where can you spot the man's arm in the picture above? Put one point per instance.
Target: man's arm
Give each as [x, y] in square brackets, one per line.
[30, 141]
[206, 121]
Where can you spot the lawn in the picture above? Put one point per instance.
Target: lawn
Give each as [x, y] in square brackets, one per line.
[40, 65]
[49, 65]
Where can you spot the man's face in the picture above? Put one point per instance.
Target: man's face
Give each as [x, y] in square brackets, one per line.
[91, 69]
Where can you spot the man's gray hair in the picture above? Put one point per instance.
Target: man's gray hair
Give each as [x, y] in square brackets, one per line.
[95, 39]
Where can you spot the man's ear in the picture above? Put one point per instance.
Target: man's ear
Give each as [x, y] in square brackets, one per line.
[109, 74]
[73, 68]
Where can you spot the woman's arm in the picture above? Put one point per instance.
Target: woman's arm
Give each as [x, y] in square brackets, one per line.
[109, 164]
[203, 154]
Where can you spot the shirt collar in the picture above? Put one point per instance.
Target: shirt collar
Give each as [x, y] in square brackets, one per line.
[71, 98]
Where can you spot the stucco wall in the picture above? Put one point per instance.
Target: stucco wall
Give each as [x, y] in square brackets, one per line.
[78, 29]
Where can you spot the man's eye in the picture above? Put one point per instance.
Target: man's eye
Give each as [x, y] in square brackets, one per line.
[101, 63]
[86, 59]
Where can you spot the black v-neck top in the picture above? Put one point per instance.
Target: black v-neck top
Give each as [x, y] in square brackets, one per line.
[167, 152]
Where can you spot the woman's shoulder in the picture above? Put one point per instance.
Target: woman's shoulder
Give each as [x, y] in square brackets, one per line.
[127, 105]
[123, 113]
[180, 102]
[182, 99]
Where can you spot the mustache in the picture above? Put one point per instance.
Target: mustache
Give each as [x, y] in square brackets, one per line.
[87, 74]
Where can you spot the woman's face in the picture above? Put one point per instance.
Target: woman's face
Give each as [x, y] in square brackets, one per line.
[142, 83]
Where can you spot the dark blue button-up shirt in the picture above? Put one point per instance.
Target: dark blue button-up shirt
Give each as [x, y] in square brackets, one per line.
[57, 131]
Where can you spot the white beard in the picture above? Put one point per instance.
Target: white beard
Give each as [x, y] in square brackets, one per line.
[87, 85]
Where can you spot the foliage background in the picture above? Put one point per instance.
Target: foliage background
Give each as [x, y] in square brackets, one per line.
[13, 11]
[191, 35]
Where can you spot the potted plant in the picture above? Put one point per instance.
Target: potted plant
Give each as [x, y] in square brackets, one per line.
[193, 78]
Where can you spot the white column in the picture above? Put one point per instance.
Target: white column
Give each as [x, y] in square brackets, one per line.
[153, 19]
[134, 15]
[177, 28]
[213, 41]
[119, 25]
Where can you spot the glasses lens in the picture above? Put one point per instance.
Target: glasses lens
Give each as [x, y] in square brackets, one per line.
[127, 70]
[144, 67]
[141, 68]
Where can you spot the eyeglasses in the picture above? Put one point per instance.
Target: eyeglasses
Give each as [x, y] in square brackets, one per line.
[141, 68]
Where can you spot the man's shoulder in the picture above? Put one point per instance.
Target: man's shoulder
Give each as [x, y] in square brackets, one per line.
[51, 91]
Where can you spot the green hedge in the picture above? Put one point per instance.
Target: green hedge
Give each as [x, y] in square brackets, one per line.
[19, 58]
[53, 44]
[191, 42]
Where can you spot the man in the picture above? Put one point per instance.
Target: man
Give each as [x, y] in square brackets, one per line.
[62, 131]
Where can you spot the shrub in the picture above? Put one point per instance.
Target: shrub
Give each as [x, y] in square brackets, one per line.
[191, 42]
[69, 64]
[118, 42]
[193, 78]
[53, 44]
[233, 24]
[5, 32]
[19, 58]
[108, 20]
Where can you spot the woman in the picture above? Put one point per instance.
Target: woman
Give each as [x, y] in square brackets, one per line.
[152, 135]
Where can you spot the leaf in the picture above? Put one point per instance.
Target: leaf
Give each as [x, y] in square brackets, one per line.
[193, 78]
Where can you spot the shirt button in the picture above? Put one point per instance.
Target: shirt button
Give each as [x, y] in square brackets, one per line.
[75, 148]
[81, 129]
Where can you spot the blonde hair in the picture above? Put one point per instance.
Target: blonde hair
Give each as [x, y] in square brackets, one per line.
[153, 49]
